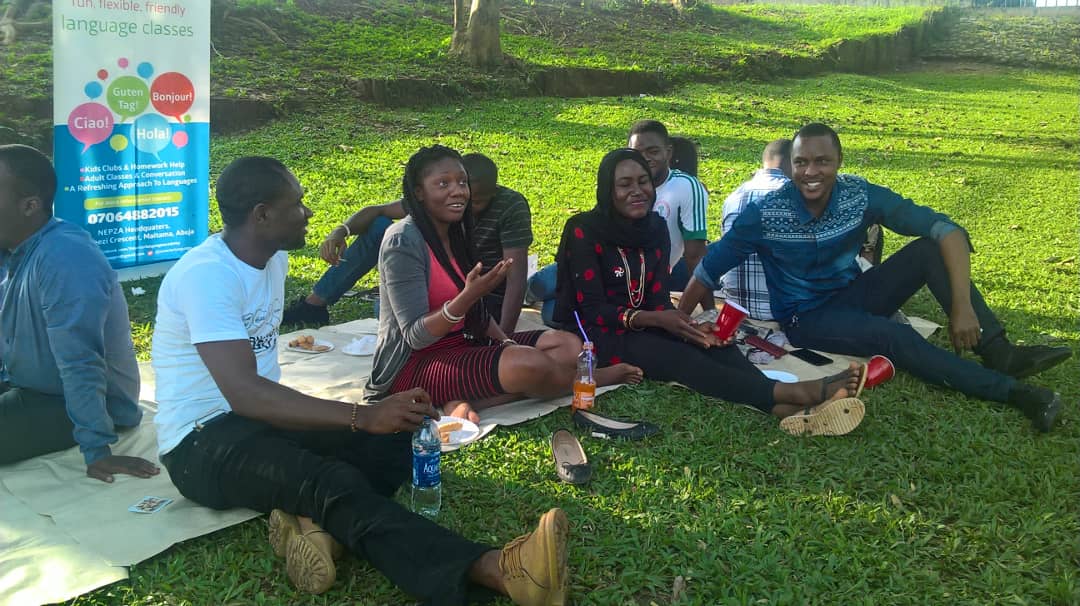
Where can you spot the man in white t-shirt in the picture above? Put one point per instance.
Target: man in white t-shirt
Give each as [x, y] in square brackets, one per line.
[232, 436]
[680, 199]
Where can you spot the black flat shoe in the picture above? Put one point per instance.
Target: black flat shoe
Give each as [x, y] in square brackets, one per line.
[570, 461]
[614, 428]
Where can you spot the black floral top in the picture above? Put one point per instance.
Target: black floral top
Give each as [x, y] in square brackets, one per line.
[606, 287]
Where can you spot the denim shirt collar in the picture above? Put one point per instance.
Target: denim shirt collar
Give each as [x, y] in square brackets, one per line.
[804, 215]
[17, 254]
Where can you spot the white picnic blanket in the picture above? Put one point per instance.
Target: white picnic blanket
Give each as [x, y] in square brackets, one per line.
[63, 534]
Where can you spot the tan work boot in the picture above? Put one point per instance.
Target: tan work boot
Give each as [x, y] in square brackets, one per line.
[282, 528]
[309, 563]
[534, 565]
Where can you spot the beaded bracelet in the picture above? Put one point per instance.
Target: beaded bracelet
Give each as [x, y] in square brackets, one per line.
[449, 317]
[352, 422]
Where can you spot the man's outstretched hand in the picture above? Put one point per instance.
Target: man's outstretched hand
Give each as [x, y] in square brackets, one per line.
[402, 411]
[104, 468]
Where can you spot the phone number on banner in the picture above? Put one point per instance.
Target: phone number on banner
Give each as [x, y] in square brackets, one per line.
[140, 214]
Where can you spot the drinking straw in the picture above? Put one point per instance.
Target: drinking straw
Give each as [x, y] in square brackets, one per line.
[580, 327]
[586, 337]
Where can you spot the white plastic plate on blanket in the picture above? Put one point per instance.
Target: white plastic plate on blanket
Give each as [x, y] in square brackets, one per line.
[364, 346]
[467, 432]
[780, 375]
[318, 347]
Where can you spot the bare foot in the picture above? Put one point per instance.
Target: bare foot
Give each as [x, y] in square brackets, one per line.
[809, 393]
[618, 374]
[460, 409]
[845, 383]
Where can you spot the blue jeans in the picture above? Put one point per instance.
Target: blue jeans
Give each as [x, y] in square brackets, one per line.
[679, 277]
[542, 286]
[856, 322]
[359, 258]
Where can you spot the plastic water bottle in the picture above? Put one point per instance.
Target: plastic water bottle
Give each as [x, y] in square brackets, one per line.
[426, 477]
[584, 382]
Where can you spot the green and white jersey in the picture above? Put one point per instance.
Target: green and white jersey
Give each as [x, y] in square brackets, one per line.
[681, 200]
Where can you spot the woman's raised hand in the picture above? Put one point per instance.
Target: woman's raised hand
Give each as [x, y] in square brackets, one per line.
[479, 283]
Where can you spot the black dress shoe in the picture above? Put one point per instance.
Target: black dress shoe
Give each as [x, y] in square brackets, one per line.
[1039, 404]
[1021, 361]
[570, 461]
[1043, 420]
[614, 428]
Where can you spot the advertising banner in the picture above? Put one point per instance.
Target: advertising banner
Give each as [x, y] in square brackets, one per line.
[131, 116]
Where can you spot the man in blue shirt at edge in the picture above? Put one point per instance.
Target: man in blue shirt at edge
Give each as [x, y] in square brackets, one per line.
[807, 235]
[67, 365]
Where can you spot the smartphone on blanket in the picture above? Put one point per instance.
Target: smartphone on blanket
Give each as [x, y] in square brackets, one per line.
[811, 357]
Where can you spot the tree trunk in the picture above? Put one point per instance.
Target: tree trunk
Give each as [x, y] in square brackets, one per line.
[8, 27]
[481, 47]
[461, 24]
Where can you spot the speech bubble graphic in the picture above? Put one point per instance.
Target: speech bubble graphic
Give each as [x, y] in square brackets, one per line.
[102, 74]
[92, 90]
[122, 62]
[172, 94]
[151, 133]
[145, 69]
[128, 96]
[180, 139]
[118, 142]
[90, 124]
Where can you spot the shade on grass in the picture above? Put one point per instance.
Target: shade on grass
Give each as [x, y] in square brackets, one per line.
[936, 498]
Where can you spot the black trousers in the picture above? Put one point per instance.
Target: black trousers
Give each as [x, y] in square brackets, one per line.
[720, 372]
[32, 424]
[344, 481]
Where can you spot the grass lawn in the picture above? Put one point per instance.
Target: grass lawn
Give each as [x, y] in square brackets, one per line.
[936, 498]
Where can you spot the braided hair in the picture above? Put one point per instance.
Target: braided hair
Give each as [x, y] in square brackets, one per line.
[462, 244]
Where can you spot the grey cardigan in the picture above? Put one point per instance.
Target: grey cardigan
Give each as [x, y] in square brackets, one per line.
[404, 272]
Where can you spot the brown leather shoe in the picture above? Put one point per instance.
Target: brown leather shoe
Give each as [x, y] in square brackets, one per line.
[534, 565]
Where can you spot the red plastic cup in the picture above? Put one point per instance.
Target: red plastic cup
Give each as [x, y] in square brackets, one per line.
[878, 370]
[731, 314]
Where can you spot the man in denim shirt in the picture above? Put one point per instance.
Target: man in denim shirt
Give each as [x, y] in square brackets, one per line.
[807, 235]
[68, 365]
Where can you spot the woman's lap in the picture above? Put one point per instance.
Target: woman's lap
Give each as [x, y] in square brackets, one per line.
[719, 372]
[455, 369]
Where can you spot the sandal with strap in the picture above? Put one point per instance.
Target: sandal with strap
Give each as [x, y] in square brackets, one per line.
[834, 418]
[842, 376]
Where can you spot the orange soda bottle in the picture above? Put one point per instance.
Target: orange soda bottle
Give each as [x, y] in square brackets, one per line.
[584, 383]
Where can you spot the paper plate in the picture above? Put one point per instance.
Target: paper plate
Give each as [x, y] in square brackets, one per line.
[468, 432]
[318, 342]
[780, 375]
[364, 346]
